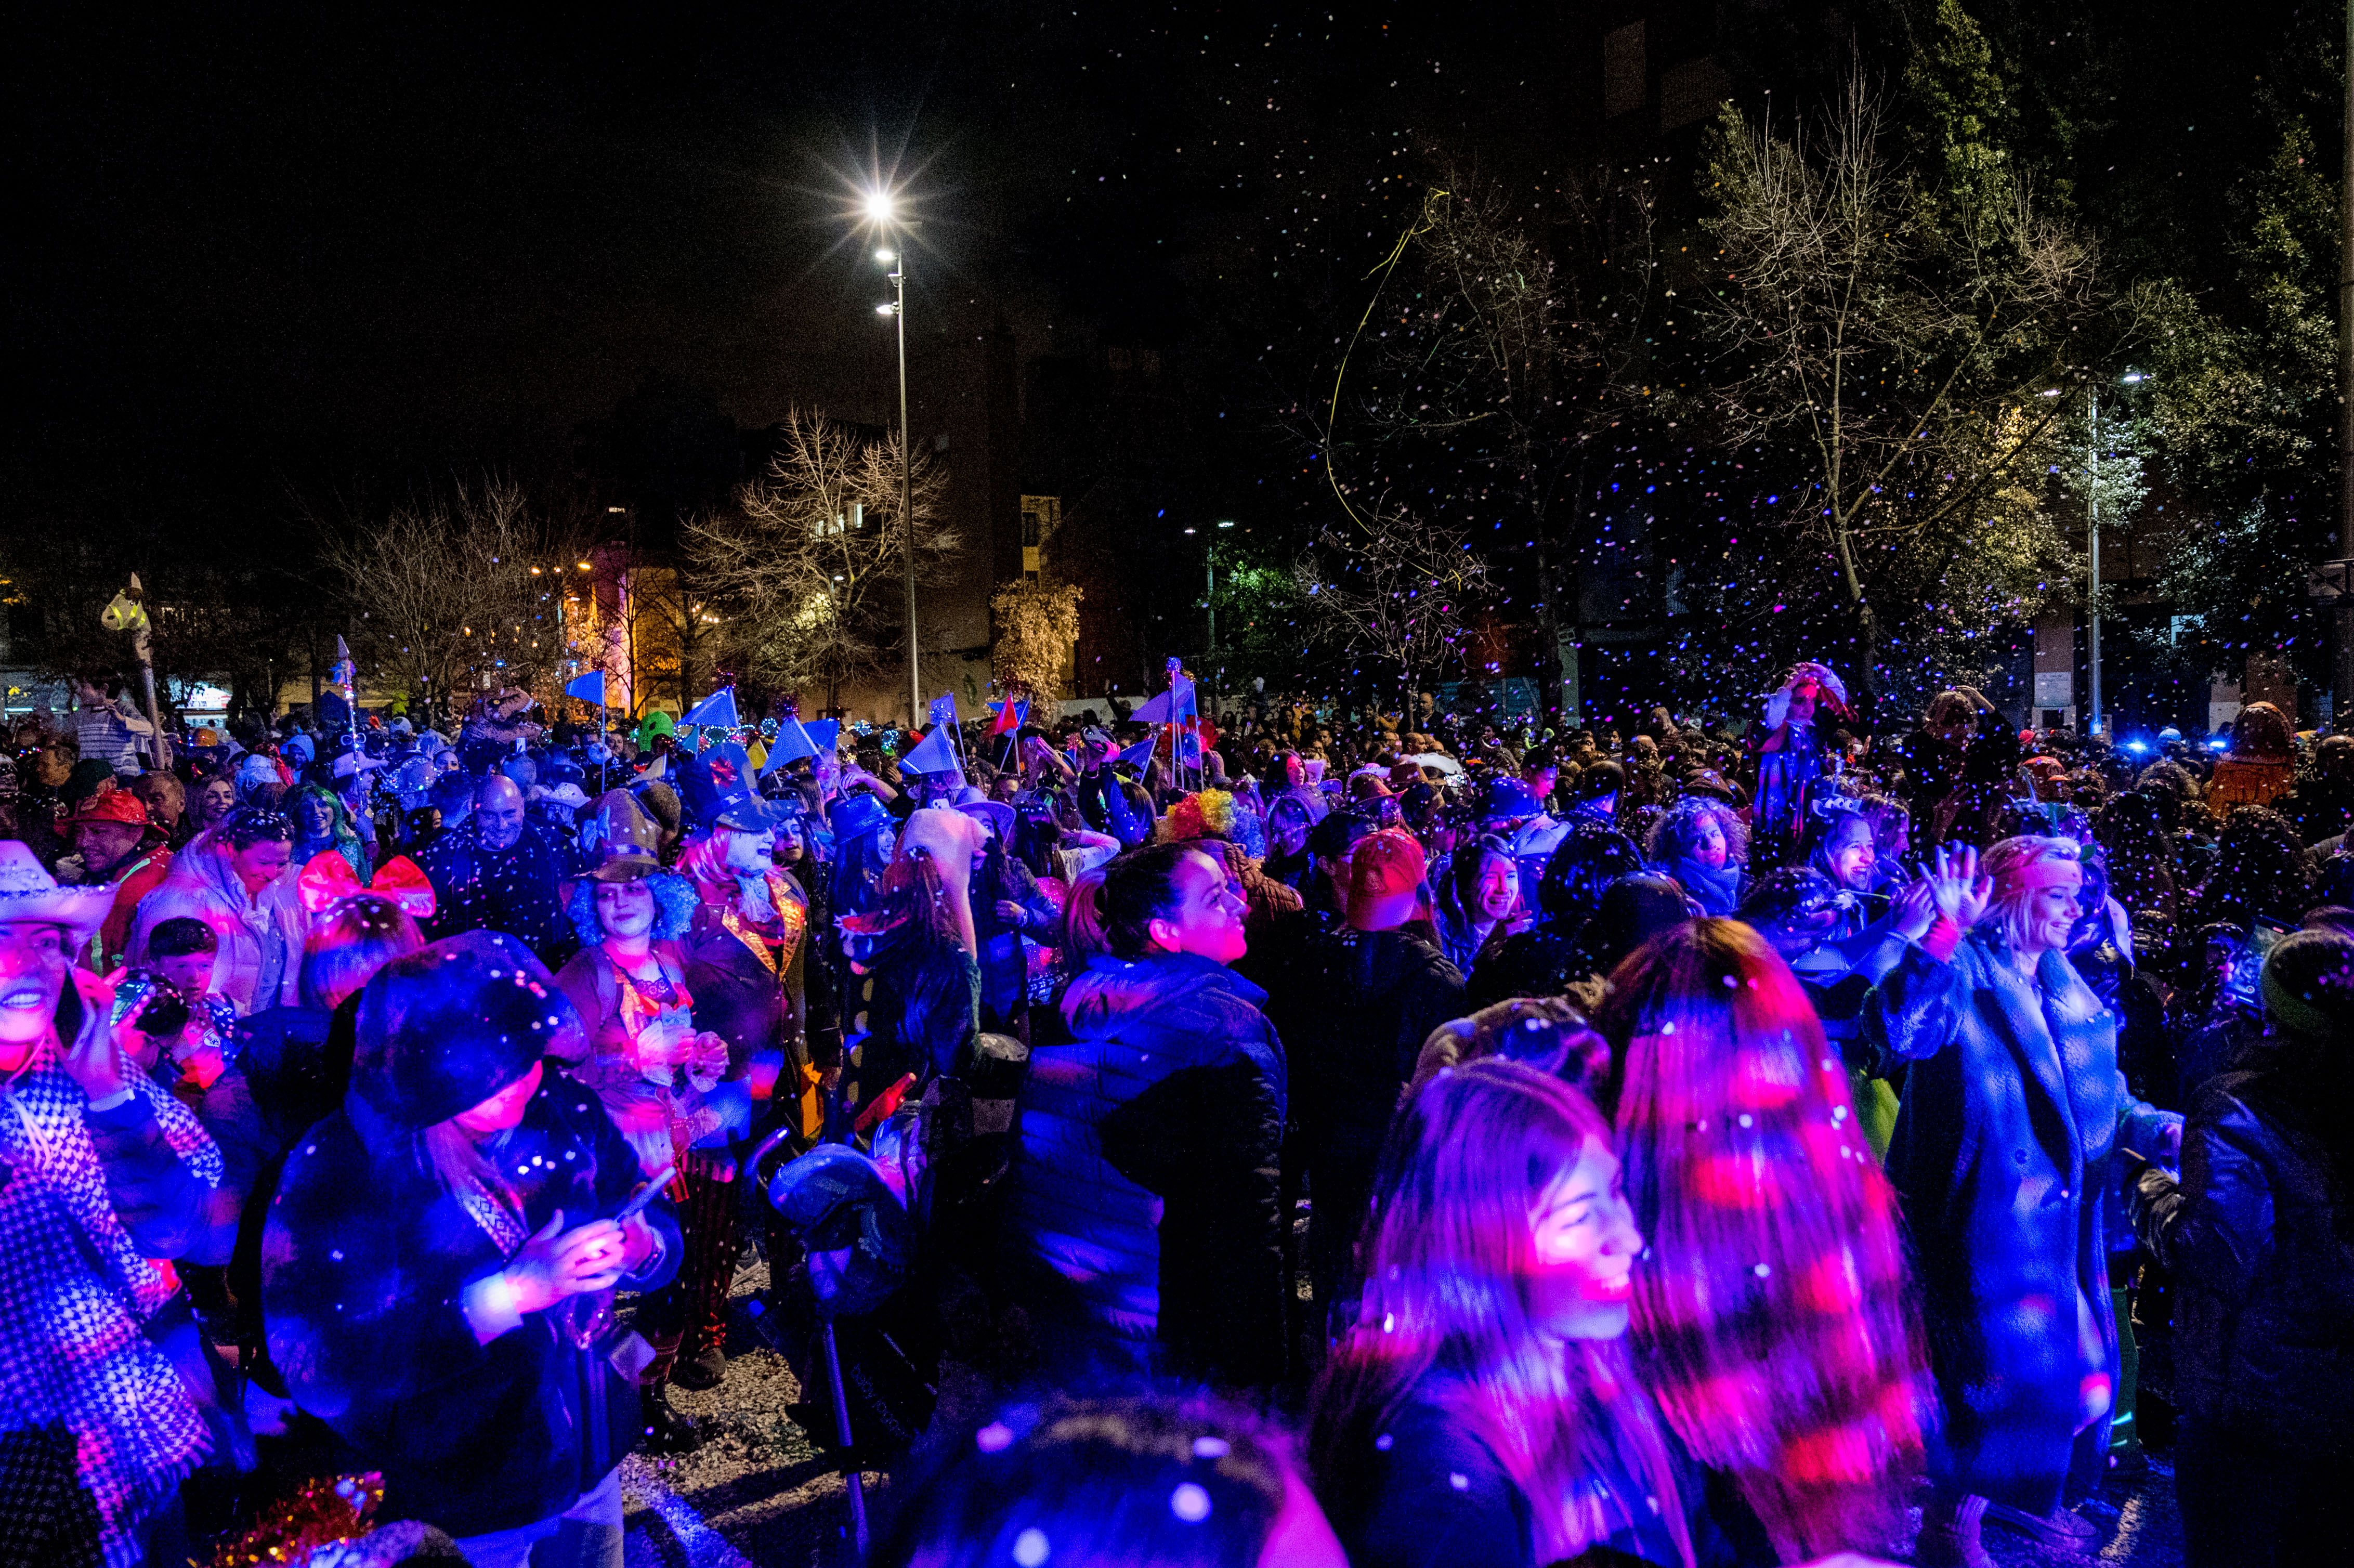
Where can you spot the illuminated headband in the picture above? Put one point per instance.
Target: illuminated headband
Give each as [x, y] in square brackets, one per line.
[2038, 875]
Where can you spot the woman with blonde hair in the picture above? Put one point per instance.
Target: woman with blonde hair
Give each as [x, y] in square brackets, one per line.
[2014, 1115]
[1775, 1327]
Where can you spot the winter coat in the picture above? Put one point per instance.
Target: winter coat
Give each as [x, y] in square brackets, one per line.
[1360, 1004]
[512, 890]
[286, 1072]
[1434, 1495]
[364, 1261]
[1144, 1203]
[98, 1334]
[2003, 1154]
[2262, 1267]
[260, 938]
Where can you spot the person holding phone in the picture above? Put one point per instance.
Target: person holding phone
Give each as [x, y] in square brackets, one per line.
[102, 1175]
[439, 1270]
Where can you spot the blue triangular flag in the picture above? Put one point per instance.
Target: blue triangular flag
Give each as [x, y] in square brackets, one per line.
[1175, 704]
[1140, 756]
[716, 711]
[823, 734]
[588, 688]
[794, 743]
[931, 755]
[943, 709]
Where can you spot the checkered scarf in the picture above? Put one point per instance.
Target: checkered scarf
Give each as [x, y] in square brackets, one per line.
[74, 1295]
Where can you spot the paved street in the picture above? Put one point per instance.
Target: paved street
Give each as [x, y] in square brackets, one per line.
[759, 1493]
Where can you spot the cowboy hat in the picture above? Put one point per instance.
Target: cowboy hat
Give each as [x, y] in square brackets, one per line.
[28, 891]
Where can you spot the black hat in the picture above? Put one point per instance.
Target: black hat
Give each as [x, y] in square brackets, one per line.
[445, 1028]
[1337, 834]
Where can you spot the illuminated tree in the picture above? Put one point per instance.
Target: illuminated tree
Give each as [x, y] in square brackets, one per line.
[1038, 627]
[806, 573]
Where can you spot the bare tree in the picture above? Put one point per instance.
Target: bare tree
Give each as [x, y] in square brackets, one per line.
[1505, 340]
[808, 569]
[1397, 591]
[457, 593]
[1896, 344]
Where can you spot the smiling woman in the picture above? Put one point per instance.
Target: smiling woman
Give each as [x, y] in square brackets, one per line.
[1484, 1410]
[101, 1171]
[2010, 1050]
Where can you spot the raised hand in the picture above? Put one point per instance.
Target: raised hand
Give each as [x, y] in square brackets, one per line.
[94, 1059]
[1914, 908]
[1959, 889]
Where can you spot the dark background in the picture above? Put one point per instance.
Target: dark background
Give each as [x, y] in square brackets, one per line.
[268, 264]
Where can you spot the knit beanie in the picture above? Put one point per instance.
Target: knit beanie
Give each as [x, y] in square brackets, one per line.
[2308, 985]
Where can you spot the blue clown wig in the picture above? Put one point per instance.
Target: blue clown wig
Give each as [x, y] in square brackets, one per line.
[674, 903]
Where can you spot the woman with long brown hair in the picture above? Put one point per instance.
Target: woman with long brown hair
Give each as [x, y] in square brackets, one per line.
[1485, 1408]
[1773, 1326]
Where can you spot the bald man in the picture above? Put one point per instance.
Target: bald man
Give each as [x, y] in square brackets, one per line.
[499, 872]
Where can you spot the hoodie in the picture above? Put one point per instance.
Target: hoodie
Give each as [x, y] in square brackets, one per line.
[1145, 1202]
[261, 937]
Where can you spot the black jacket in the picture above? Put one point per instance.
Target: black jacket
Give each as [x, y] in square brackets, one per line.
[363, 1263]
[1144, 1203]
[1358, 1007]
[1430, 1493]
[2264, 1273]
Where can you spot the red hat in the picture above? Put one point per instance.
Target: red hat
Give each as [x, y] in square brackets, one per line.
[112, 806]
[1384, 863]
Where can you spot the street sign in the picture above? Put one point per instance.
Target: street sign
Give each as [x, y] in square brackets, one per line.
[2330, 582]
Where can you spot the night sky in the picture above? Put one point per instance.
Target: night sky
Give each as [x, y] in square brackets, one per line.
[303, 247]
[276, 262]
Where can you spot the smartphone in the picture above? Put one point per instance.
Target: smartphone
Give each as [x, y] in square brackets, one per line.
[645, 1194]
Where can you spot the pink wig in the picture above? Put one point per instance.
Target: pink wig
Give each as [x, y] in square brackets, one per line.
[1774, 1324]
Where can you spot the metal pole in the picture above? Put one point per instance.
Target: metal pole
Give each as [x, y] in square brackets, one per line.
[852, 1478]
[907, 488]
[2342, 697]
[2093, 583]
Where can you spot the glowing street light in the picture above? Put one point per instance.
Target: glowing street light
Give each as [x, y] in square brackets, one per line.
[882, 210]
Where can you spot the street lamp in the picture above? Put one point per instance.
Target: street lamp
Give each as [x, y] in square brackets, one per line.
[882, 211]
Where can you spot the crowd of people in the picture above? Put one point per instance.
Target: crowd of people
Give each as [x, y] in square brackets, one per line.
[1395, 1140]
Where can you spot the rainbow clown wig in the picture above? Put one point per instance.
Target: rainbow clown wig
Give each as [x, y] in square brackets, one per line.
[1206, 814]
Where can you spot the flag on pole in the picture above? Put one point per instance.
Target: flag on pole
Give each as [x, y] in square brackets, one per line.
[588, 688]
[716, 711]
[793, 742]
[943, 709]
[1140, 756]
[931, 755]
[1170, 706]
[1011, 716]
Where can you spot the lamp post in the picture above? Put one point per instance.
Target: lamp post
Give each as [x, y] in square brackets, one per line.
[881, 210]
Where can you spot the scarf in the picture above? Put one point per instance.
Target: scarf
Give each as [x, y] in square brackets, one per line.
[1717, 887]
[75, 1296]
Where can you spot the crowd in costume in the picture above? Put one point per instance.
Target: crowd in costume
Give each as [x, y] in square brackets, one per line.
[1301, 1137]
